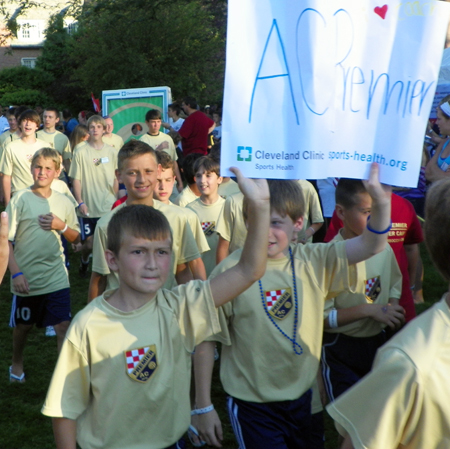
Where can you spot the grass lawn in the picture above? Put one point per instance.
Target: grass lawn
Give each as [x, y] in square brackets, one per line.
[21, 424]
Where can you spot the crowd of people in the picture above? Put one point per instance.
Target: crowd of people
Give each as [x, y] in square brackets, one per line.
[180, 258]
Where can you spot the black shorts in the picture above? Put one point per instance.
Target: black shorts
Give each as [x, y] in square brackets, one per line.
[42, 310]
[87, 227]
[272, 425]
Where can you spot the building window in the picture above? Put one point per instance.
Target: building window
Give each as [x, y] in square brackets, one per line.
[31, 30]
[71, 27]
[29, 62]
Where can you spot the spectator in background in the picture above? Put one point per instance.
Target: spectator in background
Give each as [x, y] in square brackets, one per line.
[196, 128]
[109, 137]
[3, 122]
[69, 122]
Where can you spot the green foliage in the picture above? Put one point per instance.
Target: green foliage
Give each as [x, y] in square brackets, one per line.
[130, 43]
[31, 97]
[24, 78]
[54, 59]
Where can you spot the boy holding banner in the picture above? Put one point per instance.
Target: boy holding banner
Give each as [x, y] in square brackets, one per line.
[272, 333]
[405, 400]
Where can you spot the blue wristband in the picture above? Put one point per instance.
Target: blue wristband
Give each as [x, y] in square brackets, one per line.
[378, 232]
[17, 275]
[80, 205]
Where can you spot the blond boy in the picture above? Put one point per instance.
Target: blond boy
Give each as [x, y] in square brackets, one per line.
[94, 184]
[38, 217]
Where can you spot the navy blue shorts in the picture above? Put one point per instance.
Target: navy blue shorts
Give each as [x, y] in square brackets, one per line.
[180, 444]
[87, 226]
[41, 310]
[346, 359]
[272, 425]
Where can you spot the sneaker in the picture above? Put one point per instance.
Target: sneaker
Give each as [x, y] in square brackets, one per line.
[50, 331]
[83, 270]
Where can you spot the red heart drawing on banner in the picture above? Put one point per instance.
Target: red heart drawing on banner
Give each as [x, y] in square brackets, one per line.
[381, 11]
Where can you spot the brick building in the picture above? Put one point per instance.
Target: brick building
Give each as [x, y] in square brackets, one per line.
[31, 25]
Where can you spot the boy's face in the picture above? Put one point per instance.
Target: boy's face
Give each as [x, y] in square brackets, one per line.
[281, 233]
[28, 127]
[96, 130]
[164, 186]
[355, 218]
[12, 121]
[44, 172]
[207, 182]
[216, 118]
[139, 174]
[143, 265]
[170, 113]
[153, 126]
[50, 119]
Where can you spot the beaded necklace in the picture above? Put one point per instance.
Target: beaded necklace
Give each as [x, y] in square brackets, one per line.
[295, 345]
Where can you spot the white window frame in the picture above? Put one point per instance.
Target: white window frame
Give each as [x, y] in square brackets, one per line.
[31, 30]
[28, 62]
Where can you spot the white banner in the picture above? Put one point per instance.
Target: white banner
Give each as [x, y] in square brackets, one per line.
[317, 89]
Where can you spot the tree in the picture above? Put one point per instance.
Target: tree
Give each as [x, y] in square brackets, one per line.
[134, 43]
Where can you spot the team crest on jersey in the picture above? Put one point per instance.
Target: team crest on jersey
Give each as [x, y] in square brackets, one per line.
[279, 302]
[29, 157]
[208, 227]
[373, 288]
[141, 363]
[96, 160]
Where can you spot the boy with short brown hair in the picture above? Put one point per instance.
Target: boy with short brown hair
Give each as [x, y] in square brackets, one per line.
[355, 322]
[209, 206]
[277, 323]
[405, 400]
[17, 155]
[137, 341]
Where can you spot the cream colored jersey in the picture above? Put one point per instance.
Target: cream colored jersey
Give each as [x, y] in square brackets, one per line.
[184, 248]
[154, 141]
[38, 253]
[185, 197]
[258, 363]
[313, 211]
[59, 142]
[125, 376]
[61, 187]
[228, 188]
[7, 137]
[16, 162]
[230, 224]
[56, 140]
[196, 227]
[404, 402]
[95, 169]
[208, 215]
[114, 141]
[379, 278]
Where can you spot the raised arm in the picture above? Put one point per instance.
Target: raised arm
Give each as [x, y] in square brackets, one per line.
[372, 241]
[252, 264]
